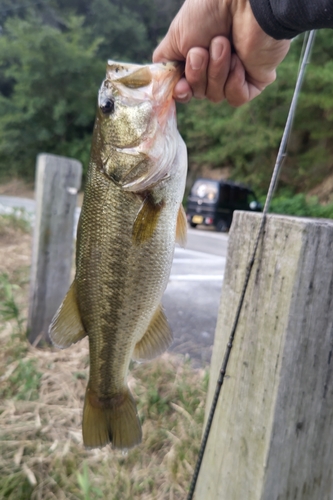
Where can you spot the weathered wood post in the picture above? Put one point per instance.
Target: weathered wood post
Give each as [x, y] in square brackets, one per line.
[57, 182]
[272, 434]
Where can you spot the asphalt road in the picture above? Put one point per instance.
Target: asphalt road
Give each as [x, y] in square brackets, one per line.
[191, 299]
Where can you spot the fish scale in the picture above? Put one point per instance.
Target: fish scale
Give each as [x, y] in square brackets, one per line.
[130, 219]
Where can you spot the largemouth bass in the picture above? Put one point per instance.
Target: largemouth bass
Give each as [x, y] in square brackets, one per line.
[131, 217]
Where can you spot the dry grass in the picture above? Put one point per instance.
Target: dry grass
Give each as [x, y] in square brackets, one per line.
[41, 399]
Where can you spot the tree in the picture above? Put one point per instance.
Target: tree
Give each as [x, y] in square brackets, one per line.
[51, 80]
[52, 60]
[53, 55]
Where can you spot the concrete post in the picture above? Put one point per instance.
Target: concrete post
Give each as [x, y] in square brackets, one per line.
[57, 182]
[272, 434]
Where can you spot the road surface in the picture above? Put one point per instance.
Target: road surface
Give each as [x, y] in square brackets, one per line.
[191, 299]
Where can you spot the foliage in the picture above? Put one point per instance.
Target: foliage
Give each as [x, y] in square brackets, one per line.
[301, 206]
[52, 60]
[50, 106]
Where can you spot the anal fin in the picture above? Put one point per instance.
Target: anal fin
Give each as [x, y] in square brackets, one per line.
[181, 229]
[156, 340]
[66, 327]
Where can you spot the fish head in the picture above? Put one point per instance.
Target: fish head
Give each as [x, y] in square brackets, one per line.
[137, 123]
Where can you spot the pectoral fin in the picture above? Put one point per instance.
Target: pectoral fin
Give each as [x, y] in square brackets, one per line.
[66, 327]
[156, 340]
[146, 220]
[181, 229]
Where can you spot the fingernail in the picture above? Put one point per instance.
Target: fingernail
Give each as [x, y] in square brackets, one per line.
[216, 50]
[196, 61]
[182, 96]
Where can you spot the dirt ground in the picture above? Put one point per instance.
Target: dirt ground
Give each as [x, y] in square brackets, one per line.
[15, 251]
[17, 187]
[324, 190]
[21, 189]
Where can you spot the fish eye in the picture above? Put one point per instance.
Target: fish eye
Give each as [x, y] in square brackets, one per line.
[107, 106]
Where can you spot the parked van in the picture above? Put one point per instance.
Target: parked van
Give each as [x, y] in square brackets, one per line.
[212, 203]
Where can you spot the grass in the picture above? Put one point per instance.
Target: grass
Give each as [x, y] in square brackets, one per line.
[41, 451]
[9, 309]
[17, 219]
[41, 398]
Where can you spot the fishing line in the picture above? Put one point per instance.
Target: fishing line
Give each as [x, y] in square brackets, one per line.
[278, 164]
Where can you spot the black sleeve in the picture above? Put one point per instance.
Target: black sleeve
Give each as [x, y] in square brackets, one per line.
[287, 18]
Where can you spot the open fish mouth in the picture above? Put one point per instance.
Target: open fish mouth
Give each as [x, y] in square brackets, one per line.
[135, 76]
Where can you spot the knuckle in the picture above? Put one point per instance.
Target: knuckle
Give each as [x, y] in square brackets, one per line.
[215, 99]
[236, 102]
[199, 95]
[215, 94]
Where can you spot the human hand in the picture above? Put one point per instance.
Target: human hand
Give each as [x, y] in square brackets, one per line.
[201, 35]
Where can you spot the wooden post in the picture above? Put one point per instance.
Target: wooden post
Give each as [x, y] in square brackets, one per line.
[57, 182]
[272, 434]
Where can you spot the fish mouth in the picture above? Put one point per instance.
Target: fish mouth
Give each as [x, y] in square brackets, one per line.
[117, 70]
[167, 75]
[163, 75]
[131, 85]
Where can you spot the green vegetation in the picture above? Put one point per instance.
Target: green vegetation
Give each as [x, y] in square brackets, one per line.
[16, 219]
[9, 309]
[301, 206]
[52, 61]
[24, 382]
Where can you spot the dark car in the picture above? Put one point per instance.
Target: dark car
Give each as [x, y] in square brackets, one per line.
[213, 203]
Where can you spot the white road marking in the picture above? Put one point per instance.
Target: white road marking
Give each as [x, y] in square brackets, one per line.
[212, 258]
[196, 277]
[199, 255]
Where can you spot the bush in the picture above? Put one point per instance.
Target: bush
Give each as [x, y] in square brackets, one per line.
[301, 205]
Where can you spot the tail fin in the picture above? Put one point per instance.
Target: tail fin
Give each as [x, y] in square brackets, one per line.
[113, 420]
